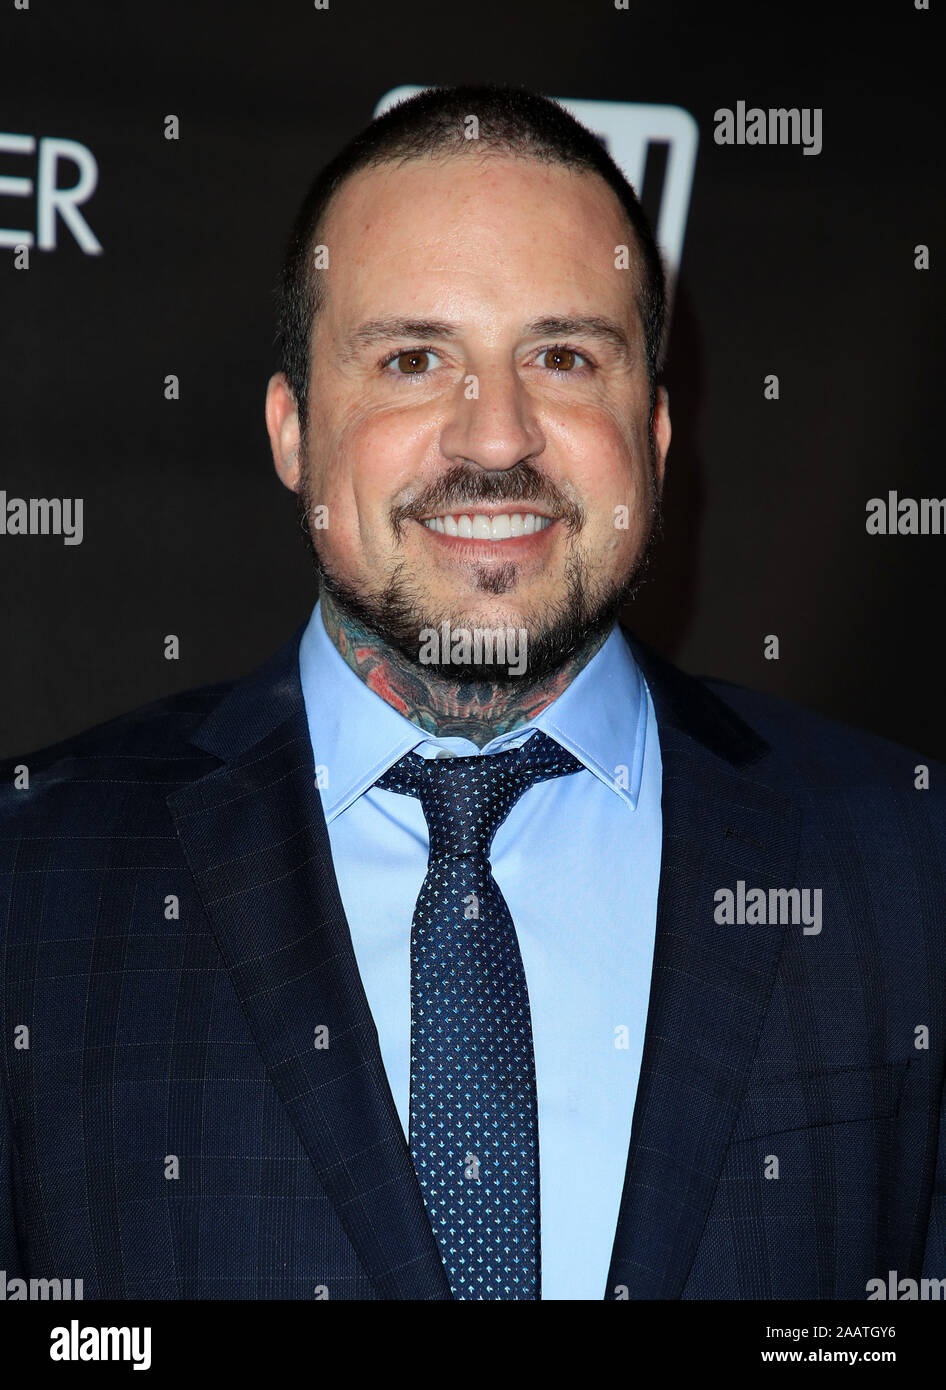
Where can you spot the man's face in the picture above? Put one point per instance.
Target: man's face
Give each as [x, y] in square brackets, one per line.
[441, 386]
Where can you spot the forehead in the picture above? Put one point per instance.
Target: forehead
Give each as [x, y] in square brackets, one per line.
[473, 228]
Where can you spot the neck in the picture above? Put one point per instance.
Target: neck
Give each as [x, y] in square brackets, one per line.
[476, 710]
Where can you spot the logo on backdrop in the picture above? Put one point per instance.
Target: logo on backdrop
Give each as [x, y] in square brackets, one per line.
[52, 200]
[629, 131]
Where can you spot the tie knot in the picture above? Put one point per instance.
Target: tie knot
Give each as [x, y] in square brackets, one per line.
[466, 800]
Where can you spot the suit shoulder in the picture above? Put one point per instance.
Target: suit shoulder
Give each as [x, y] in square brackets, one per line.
[151, 742]
[816, 743]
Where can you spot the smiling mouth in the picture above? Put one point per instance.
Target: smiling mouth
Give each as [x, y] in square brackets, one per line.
[487, 526]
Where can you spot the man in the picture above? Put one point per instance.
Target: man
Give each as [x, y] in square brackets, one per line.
[469, 950]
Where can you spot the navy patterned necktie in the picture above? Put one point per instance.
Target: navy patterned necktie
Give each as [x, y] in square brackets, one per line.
[473, 1113]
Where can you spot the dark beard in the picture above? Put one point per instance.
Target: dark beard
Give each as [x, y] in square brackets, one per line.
[578, 622]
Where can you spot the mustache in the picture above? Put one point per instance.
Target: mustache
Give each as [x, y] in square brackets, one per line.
[460, 488]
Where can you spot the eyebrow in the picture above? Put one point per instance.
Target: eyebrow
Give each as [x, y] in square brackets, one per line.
[586, 326]
[605, 330]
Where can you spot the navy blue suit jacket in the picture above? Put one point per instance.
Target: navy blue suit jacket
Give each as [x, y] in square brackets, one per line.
[171, 938]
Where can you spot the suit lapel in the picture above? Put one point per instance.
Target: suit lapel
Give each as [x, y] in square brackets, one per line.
[711, 983]
[256, 842]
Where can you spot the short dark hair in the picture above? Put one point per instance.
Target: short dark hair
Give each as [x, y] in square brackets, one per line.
[512, 121]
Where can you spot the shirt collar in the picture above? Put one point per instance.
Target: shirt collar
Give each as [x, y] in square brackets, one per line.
[601, 717]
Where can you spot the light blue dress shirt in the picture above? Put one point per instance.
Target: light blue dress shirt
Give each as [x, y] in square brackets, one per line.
[578, 862]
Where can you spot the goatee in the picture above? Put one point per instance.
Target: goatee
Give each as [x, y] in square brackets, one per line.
[396, 613]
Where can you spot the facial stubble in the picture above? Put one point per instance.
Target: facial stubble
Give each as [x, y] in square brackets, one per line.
[577, 621]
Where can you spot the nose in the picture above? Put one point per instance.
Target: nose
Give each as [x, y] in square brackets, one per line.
[492, 422]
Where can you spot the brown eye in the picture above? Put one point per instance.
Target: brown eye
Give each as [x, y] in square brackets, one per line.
[413, 363]
[560, 359]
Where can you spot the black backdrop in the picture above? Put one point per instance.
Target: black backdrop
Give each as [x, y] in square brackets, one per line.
[797, 265]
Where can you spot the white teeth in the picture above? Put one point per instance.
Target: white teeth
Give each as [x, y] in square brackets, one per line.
[488, 528]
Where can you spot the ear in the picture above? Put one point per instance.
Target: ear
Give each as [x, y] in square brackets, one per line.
[662, 432]
[282, 426]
